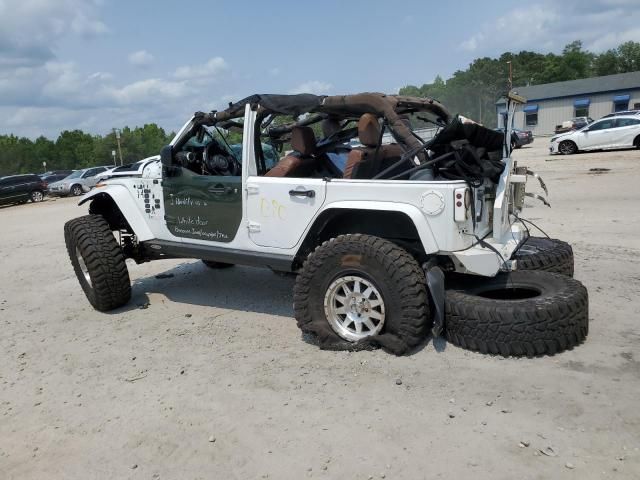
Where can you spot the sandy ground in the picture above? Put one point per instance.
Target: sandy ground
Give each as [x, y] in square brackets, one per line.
[213, 379]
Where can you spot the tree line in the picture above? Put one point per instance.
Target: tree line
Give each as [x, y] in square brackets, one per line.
[75, 149]
[474, 91]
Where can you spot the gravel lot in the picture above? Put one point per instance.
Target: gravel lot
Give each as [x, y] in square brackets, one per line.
[213, 379]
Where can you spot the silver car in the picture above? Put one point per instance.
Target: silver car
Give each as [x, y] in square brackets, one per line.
[79, 182]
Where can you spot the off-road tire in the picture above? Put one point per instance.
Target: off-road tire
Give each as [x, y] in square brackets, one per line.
[567, 147]
[75, 190]
[393, 271]
[548, 254]
[36, 196]
[217, 265]
[555, 320]
[110, 286]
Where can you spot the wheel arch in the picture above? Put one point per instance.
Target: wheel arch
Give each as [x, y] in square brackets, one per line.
[399, 223]
[116, 205]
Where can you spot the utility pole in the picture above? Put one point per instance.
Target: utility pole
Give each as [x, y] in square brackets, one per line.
[510, 75]
[117, 132]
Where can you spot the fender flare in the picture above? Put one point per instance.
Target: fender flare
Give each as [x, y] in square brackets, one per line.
[127, 205]
[415, 215]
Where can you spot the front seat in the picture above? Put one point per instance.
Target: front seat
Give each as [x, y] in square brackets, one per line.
[364, 162]
[301, 162]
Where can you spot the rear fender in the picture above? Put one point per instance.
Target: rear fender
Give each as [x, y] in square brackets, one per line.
[415, 215]
[127, 205]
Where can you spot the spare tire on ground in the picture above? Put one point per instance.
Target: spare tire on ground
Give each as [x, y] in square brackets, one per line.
[517, 314]
[548, 254]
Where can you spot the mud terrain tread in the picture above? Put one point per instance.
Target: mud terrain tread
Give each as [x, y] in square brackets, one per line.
[532, 327]
[555, 256]
[404, 274]
[104, 260]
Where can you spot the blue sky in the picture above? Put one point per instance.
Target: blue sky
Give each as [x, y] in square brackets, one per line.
[96, 64]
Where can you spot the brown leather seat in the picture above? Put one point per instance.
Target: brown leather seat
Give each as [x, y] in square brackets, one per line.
[301, 162]
[364, 162]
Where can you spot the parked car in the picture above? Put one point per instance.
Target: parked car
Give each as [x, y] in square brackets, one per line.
[606, 133]
[55, 175]
[21, 189]
[77, 183]
[574, 124]
[624, 112]
[519, 137]
[125, 170]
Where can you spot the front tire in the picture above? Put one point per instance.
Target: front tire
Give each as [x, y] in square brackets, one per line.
[98, 262]
[76, 190]
[567, 147]
[358, 290]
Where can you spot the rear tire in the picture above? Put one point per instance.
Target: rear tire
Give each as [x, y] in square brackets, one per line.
[36, 196]
[518, 314]
[98, 262]
[636, 142]
[390, 301]
[546, 254]
[567, 147]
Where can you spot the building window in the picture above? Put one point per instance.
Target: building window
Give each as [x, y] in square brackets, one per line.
[531, 119]
[621, 103]
[581, 107]
[530, 115]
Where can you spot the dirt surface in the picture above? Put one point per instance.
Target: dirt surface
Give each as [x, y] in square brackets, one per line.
[213, 380]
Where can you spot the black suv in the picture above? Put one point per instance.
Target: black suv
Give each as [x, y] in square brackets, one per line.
[22, 188]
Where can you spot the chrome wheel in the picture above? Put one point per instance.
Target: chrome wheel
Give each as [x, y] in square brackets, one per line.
[76, 190]
[37, 196]
[354, 308]
[83, 267]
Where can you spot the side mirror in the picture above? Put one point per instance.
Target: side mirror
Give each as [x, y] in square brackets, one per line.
[166, 155]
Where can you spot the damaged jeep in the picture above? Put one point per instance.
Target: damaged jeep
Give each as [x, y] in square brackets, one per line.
[397, 218]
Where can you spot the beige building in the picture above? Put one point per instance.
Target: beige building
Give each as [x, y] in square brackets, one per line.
[551, 104]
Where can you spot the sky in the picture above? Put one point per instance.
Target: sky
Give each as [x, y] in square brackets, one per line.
[98, 64]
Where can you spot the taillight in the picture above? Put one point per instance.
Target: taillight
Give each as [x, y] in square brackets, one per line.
[462, 199]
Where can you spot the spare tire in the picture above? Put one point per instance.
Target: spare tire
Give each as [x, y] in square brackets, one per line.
[517, 314]
[548, 254]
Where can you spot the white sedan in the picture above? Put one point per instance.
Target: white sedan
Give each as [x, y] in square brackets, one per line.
[606, 133]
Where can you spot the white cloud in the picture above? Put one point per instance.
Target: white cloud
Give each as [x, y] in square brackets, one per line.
[141, 58]
[31, 29]
[210, 69]
[547, 25]
[313, 86]
[150, 91]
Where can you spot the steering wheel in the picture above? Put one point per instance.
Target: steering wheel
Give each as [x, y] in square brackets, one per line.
[220, 162]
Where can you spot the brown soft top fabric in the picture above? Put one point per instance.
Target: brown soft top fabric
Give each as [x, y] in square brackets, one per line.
[369, 130]
[303, 140]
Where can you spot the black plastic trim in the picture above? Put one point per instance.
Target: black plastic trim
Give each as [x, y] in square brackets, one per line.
[157, 249]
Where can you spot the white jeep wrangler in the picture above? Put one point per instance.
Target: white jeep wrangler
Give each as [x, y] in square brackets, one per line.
[387, 239]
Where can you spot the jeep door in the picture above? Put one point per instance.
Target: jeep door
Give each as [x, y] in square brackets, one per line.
[279, 210]
[201, 206]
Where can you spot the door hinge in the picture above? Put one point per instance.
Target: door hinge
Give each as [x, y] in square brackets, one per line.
[253, 227]
[253, 189]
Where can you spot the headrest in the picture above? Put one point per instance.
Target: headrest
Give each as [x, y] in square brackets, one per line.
[303, 140]
[369, 130]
